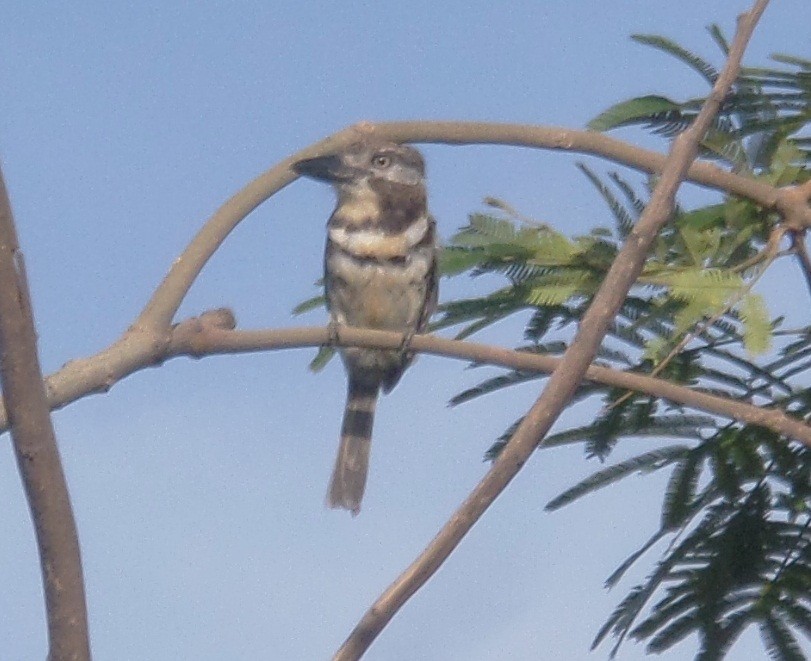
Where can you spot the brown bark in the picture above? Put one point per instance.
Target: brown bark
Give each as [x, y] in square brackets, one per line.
[37, 454]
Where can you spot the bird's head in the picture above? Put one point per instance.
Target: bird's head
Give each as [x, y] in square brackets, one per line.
[366, 162]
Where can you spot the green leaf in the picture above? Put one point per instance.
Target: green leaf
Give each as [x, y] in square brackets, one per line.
[454, 260]
[701, 245]
[480, 311]
[704, 292]
[321, 359]
[310, 304]
[492, 385]
[555, 289]
[786, 164]
[705, 218]
[798, 615]
[792, 59]
[623, 218]
[484, 230]
[704, 68]
[640, 109]
[727, 146]
[673, 633]
[757, 328]
[619, 572]
[711, 287]
[780, 643]
[681, 490]
[550, 248]
[656, 349]
[650, 461]
[719, 38]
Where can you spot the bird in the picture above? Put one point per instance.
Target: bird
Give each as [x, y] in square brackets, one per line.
[380, 272]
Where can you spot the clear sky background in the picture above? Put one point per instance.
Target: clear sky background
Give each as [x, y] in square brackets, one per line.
[199, 486]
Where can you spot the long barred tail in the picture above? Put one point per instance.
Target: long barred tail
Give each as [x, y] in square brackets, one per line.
[352, 464]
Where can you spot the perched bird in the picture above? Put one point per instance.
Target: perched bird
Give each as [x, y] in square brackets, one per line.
[380, 272]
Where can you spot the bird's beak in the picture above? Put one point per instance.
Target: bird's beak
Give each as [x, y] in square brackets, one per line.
[323, 168]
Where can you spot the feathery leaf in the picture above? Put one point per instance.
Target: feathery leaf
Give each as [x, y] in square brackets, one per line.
[704, 68]
[649, 461]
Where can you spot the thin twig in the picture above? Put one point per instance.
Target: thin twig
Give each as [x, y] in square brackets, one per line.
[573, 366]
[801, 250]
[37, 454]
[196, 343]
[211, 334]
[767, 255]
[164, 303]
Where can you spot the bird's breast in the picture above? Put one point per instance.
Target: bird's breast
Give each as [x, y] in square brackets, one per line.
[373, 243]
[378, 293]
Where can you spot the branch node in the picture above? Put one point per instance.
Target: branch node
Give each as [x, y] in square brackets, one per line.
[219, 318]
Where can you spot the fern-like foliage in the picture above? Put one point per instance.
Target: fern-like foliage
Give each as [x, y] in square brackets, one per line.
[766, 105]
[690, 276]
[746, 562]
[735, 532]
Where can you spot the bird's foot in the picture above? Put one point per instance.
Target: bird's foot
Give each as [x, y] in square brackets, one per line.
[405, 345]
[332, 333]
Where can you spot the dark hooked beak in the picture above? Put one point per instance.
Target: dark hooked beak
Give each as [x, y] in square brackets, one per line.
[324, 168]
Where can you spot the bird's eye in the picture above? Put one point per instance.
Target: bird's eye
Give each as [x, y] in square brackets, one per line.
[381, 161]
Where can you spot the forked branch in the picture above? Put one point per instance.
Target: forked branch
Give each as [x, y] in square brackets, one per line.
[213, 333]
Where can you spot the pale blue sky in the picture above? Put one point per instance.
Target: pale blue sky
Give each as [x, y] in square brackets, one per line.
[199, 487]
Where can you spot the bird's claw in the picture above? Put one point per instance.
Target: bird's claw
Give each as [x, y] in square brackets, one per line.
[405, 345]
[332, 333]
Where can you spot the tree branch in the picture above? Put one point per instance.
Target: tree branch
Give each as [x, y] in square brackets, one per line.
[212, 334]
[196, 340]
[798, 243]
[37, 454]
[166, 300]
[570, 372]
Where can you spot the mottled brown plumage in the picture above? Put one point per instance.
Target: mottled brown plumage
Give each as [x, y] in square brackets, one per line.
[380, 272]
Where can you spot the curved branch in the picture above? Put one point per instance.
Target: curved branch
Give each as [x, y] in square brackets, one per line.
[166, 300]
[164, 303]
[212, 334]
[37, 454]
[197, 341]
[804, 259]
[580, 142]
[573, 366]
